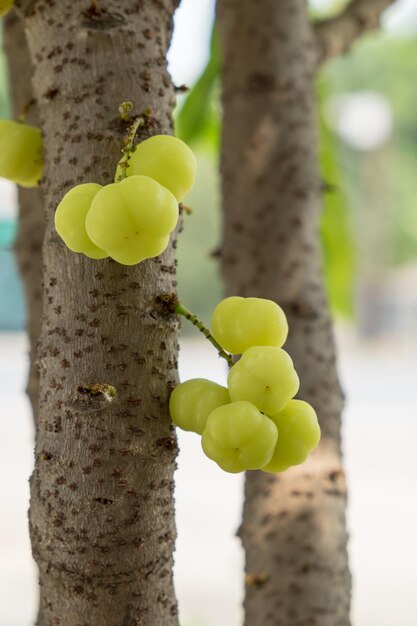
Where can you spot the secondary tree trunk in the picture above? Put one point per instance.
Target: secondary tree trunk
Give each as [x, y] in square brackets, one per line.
[101, 514]
[31, 214]
[293, 528]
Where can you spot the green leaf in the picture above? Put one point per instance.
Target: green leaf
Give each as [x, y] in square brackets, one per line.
[198, 117]
[336, 230]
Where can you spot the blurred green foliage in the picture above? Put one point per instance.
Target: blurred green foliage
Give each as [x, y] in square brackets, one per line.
[384, 179]
[337, 242]
[381, 183]
[198, 123]
[369, 212]
[199, 284]
[199, 116]
[337, 234]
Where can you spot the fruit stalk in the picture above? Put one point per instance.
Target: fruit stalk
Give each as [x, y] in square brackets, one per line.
[178, 308]
[128, 149]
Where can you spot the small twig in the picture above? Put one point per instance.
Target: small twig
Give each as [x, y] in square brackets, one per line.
[181, 89]
[129, 142]
[177, 307]
[327, 187]
[128, 150]
[337, 34]
[257, 580]
[216, 253]
[185, 208]
[25, 110]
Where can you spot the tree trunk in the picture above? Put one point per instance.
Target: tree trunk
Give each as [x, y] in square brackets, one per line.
[101, 515]
[31, 214]
[293, 528]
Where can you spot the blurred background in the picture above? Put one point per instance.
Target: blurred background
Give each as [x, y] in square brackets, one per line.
[367, 116]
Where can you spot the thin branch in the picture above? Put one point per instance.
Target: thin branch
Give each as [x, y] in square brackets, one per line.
[175, 306]
[336, 35]
[180, 309]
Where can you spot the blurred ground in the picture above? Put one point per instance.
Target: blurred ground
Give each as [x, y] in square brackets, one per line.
[380, 438]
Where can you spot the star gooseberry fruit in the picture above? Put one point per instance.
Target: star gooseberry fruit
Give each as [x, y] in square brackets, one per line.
[167, 160]
[5, 6]
[299, 434]
[238, 437]
[132, 220]
[129, 221]
[21, 153]
[70, 220]
[192, 402]
[240, 323]
[264, 376]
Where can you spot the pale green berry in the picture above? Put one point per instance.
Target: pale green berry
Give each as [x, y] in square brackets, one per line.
[192, 402]
[238, 437]
[21, 153]
[167, 160]
[299, 434]
[240, 323]
[264, 376]
[70, 220]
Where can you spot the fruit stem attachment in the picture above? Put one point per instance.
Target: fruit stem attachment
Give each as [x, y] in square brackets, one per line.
[128, 149]
[177, 307]
[25, 109]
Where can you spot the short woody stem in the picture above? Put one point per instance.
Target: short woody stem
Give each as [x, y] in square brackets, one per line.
[177, 307]
[25, 110]
[180, 309]
[128, 149]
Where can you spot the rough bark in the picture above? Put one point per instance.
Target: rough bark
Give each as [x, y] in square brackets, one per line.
[31, 214]
[336, 35]
[101, 515]
[293, 527]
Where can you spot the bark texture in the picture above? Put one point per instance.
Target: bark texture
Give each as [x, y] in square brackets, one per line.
[293, 528]
[336, 35]
[31, 214]
[101, 515]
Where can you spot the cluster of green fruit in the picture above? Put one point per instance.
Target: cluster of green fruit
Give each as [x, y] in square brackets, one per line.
[130, 220]
[254, 423]
[21, 152]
